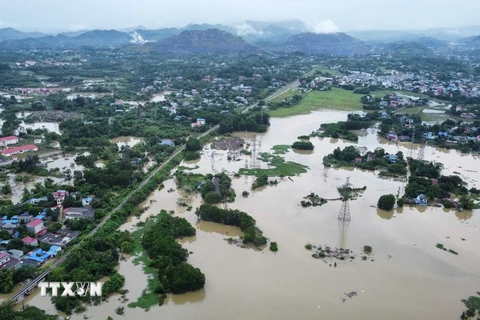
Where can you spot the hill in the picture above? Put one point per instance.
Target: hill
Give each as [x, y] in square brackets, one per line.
[204, 41]
[155, 35]
[473, 42]
[409, 49]
[10, 33]
[325, 43]
[102, 38]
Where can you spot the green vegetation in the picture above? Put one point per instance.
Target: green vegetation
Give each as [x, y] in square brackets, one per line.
[308, 246]
[386, 202]
[260, 182]
[273, 246]
[341, 128]
[303, 145]
[279, 168]
[337, 99]
[252, 234]
[313, 200]
[367, 249]
[390, 165]
[442, 247]
[206, 184]
[473, 302]
[7, 312]
[281, 149]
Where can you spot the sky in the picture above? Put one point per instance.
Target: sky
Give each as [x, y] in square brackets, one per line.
[321, 15]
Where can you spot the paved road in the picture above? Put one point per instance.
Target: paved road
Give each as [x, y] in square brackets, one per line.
[31, 285]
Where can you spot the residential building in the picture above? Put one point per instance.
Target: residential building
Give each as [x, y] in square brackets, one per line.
[10, 224]
[15, 254]
[25, 217]
[39, 255]
[36, 226]
[6, 141]
[13, 264]
[4, 258]
[86, 212]
[30, 241]
[17, 150]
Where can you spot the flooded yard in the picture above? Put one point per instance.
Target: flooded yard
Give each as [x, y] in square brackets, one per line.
[126, 141]
[407, 277]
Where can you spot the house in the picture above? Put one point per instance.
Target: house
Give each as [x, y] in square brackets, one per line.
[86, 212]
[4, 258]
[167, 142]
[421, 200]
[39, 255]
[36, 226]
[61, 239]
[13, 264]
[458, 108]
[468, 115]
[54, 250]
[15, 254]
[6, 141]
[30, 241]
[392, 158]
[10, 224]
[392, 137]
[357, 160]
[36, 201]
[37, 141]
[60, 194]
[371, 156]
[17, 150]
[29, 262]
[404, 138]
[201, 121]
[434, 181]
[442, 134]
[25, 217]
[86, 201]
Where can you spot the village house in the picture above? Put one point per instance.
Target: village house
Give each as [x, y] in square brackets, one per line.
[62, 238]
[4, 258]
[6, 141]
[30, 241]
[36, 226]
[167, 142]
[86, 212]
[467, 115]
[17, 150]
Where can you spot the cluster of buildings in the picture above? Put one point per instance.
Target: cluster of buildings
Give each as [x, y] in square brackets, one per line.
[5, 142]
[37, 225]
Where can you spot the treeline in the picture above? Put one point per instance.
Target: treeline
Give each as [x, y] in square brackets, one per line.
[286, 103]
[253, 123]
[167, 255]
[303, 145]
[252, 234]
[342, 129]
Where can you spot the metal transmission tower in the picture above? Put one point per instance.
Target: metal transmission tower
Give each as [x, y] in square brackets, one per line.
[225, 203]
[213, 162]
[421, 149]
[344, 215]
[254, 164]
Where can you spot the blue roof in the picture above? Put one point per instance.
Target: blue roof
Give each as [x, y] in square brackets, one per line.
[4, 241]
[14, 218]
[39, 255]
[167, 142]
[54, 250]
[4, 218]
[10, 221]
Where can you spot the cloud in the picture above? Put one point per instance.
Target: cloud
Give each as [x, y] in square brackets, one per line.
[325, 26]
[245, 30]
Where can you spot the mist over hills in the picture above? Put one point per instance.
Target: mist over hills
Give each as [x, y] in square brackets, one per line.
[250, 36]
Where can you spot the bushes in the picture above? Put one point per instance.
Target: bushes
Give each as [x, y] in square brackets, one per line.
[400, 202]
[273, 247]
[386, 202]
[213, 197]
[260, 182]
[303, 145]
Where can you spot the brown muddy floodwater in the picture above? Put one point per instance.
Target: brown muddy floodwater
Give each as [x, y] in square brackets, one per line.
[409, 278]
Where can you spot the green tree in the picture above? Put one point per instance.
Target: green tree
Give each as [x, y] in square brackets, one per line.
[6, 280]
[213, 197]
[7, 189]
[193, 145]
[386, 202]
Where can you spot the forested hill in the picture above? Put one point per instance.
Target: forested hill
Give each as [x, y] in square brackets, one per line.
[204, 41]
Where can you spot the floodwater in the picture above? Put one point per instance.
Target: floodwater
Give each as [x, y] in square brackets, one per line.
[50, 126]
[126, 141]
[409, 278]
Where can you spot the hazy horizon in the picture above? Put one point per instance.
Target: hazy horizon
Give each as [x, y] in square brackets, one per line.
[322, 16]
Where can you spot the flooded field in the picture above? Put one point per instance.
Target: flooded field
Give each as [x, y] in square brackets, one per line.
[126, 141]
[50, 126]
[407, 277]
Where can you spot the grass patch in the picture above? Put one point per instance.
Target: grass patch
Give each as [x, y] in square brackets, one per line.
[281, 149]
[285, 95]
[148, 298]
[337, 99]
[280, 168]
[273, 247]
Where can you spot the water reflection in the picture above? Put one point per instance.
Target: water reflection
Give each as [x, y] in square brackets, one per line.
[464, 214]
[190, 297]
[387, 215]
[211, 227]
[304, 152]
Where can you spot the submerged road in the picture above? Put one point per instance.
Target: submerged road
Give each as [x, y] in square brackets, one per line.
[17, 297]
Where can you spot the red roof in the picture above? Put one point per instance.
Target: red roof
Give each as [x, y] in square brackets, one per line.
[29, 240]
[34, 223]
[21, 148]
[3, 254]
[9, 138]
